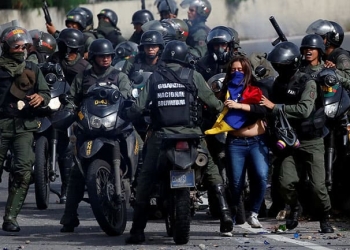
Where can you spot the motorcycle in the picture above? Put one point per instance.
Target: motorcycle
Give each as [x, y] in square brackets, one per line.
[108, 155]
[180, 166]
[336, 107]
[46, 138]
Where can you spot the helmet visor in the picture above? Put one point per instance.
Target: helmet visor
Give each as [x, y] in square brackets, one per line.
[187, 3]
[16, 35]
[320, 27]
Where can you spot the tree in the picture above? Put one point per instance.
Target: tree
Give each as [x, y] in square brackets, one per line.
[30, 4]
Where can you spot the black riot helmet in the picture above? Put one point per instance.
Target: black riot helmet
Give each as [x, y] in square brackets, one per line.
[175, 51]
[72, 38]
[141, 17]
[110, 14]
[11, 35]
[166, 7]
[203, 7]
[313, 41]
[329, 30]
[76, 17]
[126, 49]
[43, 42]
[180, 26]
[89, 19]
[100, 47]
[285, 58]
[221, 35]
[236, 39]
[151, 37]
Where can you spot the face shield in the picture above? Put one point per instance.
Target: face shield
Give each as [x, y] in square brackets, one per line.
[17, 35]
[320, 27]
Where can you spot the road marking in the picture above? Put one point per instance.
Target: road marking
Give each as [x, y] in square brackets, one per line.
[279, 237]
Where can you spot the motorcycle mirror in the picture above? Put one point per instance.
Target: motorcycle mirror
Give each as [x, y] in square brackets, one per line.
[260, 71]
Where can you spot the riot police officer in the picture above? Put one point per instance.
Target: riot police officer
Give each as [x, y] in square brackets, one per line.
[333, 36]
[21, 82]
[139, 18]
[167, 9]
[150, 48]
[175, 58]
[44, 45]
[220, 43]
[304, 109]
[76, 19]
[101, 53]
[70, 42]
[124, 51]
[107, 27]
[198, 12]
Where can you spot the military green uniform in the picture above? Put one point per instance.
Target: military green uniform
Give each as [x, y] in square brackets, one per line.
[108, 31]
[309, 157]
[197, 36]
[136, 37]
[17, 134]
[147, 176]
[341, 59]
[76, 184]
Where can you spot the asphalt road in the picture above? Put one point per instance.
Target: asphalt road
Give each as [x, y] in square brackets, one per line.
[40, 230]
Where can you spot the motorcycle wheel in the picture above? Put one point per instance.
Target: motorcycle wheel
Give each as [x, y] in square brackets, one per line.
[41, 173]
[182, 216]
[100, 185]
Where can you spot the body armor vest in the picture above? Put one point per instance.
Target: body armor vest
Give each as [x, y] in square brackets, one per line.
[336, 53]
[70, 71]
[8, 102]
[174, 98]
[312, 126]
[41, 56]
[89, 80]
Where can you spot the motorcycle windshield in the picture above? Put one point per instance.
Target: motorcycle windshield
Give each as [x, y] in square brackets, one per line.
[320, 27]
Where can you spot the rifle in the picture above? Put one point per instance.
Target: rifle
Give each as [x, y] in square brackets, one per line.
[46, 13]
[143, 5]
[281, 36]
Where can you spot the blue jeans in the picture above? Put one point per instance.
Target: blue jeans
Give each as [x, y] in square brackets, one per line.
[250, 153]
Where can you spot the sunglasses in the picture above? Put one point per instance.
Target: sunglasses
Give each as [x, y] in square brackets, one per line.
[18, 46]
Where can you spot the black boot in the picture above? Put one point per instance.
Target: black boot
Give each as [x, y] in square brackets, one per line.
[326, 228]
[75, 191]
[65, 166]
[292, 220]
[226, 223]
[139, 221]
[17, 194]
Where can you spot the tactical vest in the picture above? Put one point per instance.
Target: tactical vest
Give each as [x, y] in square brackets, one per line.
[140, 65]
[70, 71]
[336, 53]
[190, 39]
[174, 98]
[8, 102]
[312, 126]
[41, 56]
[89, 80]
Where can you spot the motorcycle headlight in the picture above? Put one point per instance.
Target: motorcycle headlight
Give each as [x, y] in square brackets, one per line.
[107, 122]
[331, 109]
[95, 122]
[54, 104]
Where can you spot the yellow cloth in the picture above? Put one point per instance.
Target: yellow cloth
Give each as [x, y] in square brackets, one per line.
[220, 125]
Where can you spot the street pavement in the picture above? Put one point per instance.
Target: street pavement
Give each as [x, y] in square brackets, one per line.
[40, 230]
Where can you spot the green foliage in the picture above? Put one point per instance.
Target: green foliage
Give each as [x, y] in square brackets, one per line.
[30, 4]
